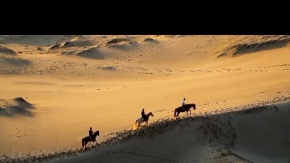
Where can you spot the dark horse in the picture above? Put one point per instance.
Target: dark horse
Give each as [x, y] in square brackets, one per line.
[87, 139]
[186, 108]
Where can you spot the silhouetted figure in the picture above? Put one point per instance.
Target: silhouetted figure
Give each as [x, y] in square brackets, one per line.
[144, 116]
[183, 103]
[91, 133]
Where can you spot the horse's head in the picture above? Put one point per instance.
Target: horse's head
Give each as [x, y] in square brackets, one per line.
[194, 106]
[97, 133]
[191, 105]
[150, 114]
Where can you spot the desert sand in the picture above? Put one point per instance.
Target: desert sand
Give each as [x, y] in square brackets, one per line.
[54, 88]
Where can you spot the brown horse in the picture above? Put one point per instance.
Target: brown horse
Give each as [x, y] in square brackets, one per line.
[87, 139]
[186, 109]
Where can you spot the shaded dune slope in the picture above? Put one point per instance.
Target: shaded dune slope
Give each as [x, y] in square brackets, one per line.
[258, 134]
[249, 44]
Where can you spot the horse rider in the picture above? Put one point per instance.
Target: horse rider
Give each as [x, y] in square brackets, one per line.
[183, 103]
[144, 116]
[91, 133]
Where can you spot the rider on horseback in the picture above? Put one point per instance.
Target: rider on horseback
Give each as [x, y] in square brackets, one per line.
[183, 103]
[91, 133]
[144, 116]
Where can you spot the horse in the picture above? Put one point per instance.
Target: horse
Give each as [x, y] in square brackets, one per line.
[180, 109]
[141, 120]
[87, 139]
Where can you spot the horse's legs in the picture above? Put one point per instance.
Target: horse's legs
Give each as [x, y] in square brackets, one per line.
[187, 112]
[177, 115]
[84, 145]
[95, 141]
[83, 142]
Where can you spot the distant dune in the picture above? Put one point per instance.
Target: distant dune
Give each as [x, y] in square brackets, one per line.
[11, 63]
[150, 40]
[77, 41]
[38, 40]
[121, 43]
[15, 106]
[15, 61]
[250, 46]
[108, 68]
[6, 51]
[56, 46]
[94, 53]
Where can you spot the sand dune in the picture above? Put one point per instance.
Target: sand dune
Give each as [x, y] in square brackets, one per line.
[222, 137]
[15, 106]
[7, 51]
[250, 44]
[261, 136]
[39, 40]
[7, 62]
[91, 53]
[150, 40]
[121, 43]
[85, 81]
[77, 42]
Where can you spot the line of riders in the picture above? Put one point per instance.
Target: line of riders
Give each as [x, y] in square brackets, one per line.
[144, 116]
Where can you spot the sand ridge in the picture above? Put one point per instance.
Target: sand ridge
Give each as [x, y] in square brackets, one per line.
[219, 131]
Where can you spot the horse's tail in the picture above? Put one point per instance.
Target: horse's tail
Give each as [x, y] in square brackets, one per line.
[83, 142]
[135, 126]
[175, 112]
